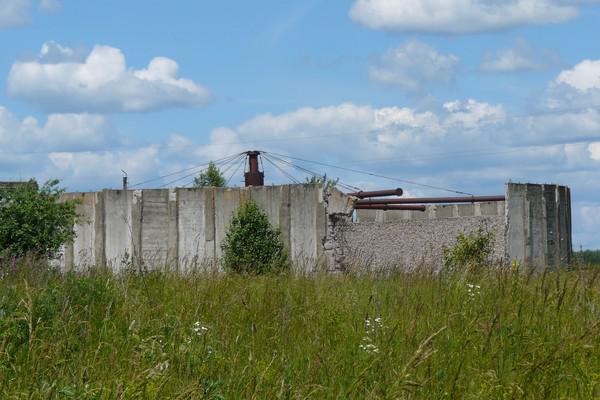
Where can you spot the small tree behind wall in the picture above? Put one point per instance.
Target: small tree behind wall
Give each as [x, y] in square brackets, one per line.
[251, 244]
[211, 177]
[33, 221]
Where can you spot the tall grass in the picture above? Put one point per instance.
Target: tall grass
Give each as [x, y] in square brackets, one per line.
[493, 334]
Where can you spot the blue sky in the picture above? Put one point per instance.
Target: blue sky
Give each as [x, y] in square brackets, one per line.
[464, 94]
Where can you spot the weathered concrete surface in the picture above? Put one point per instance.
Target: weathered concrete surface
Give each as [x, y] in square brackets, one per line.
[183, 229]
[407, 244]
[538, 224]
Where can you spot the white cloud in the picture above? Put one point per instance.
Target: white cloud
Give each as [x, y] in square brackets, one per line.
[458, 16]
[414, 67]
[102, 82]
[18, 12]
[14, 13]
[594, 150]
[73, 132]
[521, 57]
[51, 5]
[576, 88]
[584, 76]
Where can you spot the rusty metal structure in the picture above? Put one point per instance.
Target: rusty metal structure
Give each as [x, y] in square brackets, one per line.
[253, 177]
[377, 193]
[390, 207]
[432, 200]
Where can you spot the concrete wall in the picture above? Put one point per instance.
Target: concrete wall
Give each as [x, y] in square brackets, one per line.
[408, 239]
[539, 224]
[184, 228]
[533, 227]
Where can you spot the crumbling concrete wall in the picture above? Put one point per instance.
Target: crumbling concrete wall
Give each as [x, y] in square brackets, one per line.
[533, 227]
[410, 239]
[183, 228]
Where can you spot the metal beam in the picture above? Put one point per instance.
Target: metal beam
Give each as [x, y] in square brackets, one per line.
[433, 200]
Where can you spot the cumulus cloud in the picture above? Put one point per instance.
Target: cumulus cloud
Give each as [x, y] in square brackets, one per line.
[414, 67]
[459, 16]
[521, 57]
[584, 76]
[72, 132]
[58, 82]
[576, 88]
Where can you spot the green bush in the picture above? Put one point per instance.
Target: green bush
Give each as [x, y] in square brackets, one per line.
[470, 251]
[33, 221]
[251, 244]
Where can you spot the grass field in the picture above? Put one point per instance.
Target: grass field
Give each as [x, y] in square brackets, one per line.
[496, 335]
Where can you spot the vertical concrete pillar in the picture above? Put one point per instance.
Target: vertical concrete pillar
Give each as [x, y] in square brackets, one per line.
[118, 236]
[517, 222]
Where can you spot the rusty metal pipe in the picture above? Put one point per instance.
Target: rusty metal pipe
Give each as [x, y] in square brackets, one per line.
[433, 200]
[377, 193]
[409, 207]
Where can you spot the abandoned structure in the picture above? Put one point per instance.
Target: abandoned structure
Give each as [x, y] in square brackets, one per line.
[322, 227]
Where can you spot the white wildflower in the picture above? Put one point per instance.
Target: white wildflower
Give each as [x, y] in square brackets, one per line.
[199, 328]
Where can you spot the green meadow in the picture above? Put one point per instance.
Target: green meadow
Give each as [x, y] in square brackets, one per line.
[493, 334]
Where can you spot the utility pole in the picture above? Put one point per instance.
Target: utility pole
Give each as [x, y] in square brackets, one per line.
[253, 177]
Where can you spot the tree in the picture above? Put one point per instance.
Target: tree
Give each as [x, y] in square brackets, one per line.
[251, 244]
[323, 180]
[211, 177]
[33, 221]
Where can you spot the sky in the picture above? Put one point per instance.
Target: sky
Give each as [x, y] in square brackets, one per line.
[464, 95]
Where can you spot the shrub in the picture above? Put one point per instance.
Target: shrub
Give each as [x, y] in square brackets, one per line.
[470, 251]
[251, 244]
[33, 221]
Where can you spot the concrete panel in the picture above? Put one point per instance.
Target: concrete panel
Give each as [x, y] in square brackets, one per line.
[192, 228]
[563, 224]
[268, 199]
[209, 231]
[517, 229]
[285, 221]
[445, 211]
[465, 210]
[303, 226]
[365, 215]
[118, 228]
[84, 245]
[100, 230]
[136, 228]
[227, 202]
[552, 235]
[537, 223]
[490, 208]
[155, 228]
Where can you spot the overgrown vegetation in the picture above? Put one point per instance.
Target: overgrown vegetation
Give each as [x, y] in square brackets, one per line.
[492, 334]
[211, 177]
[323, 180]
[33, 222]
[251, 244]
[471, 251]
[588, 257]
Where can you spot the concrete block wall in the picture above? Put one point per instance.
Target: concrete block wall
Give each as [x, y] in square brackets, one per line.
[184, 228]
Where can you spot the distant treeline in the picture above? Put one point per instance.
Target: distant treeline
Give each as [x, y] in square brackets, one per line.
[588, 256]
